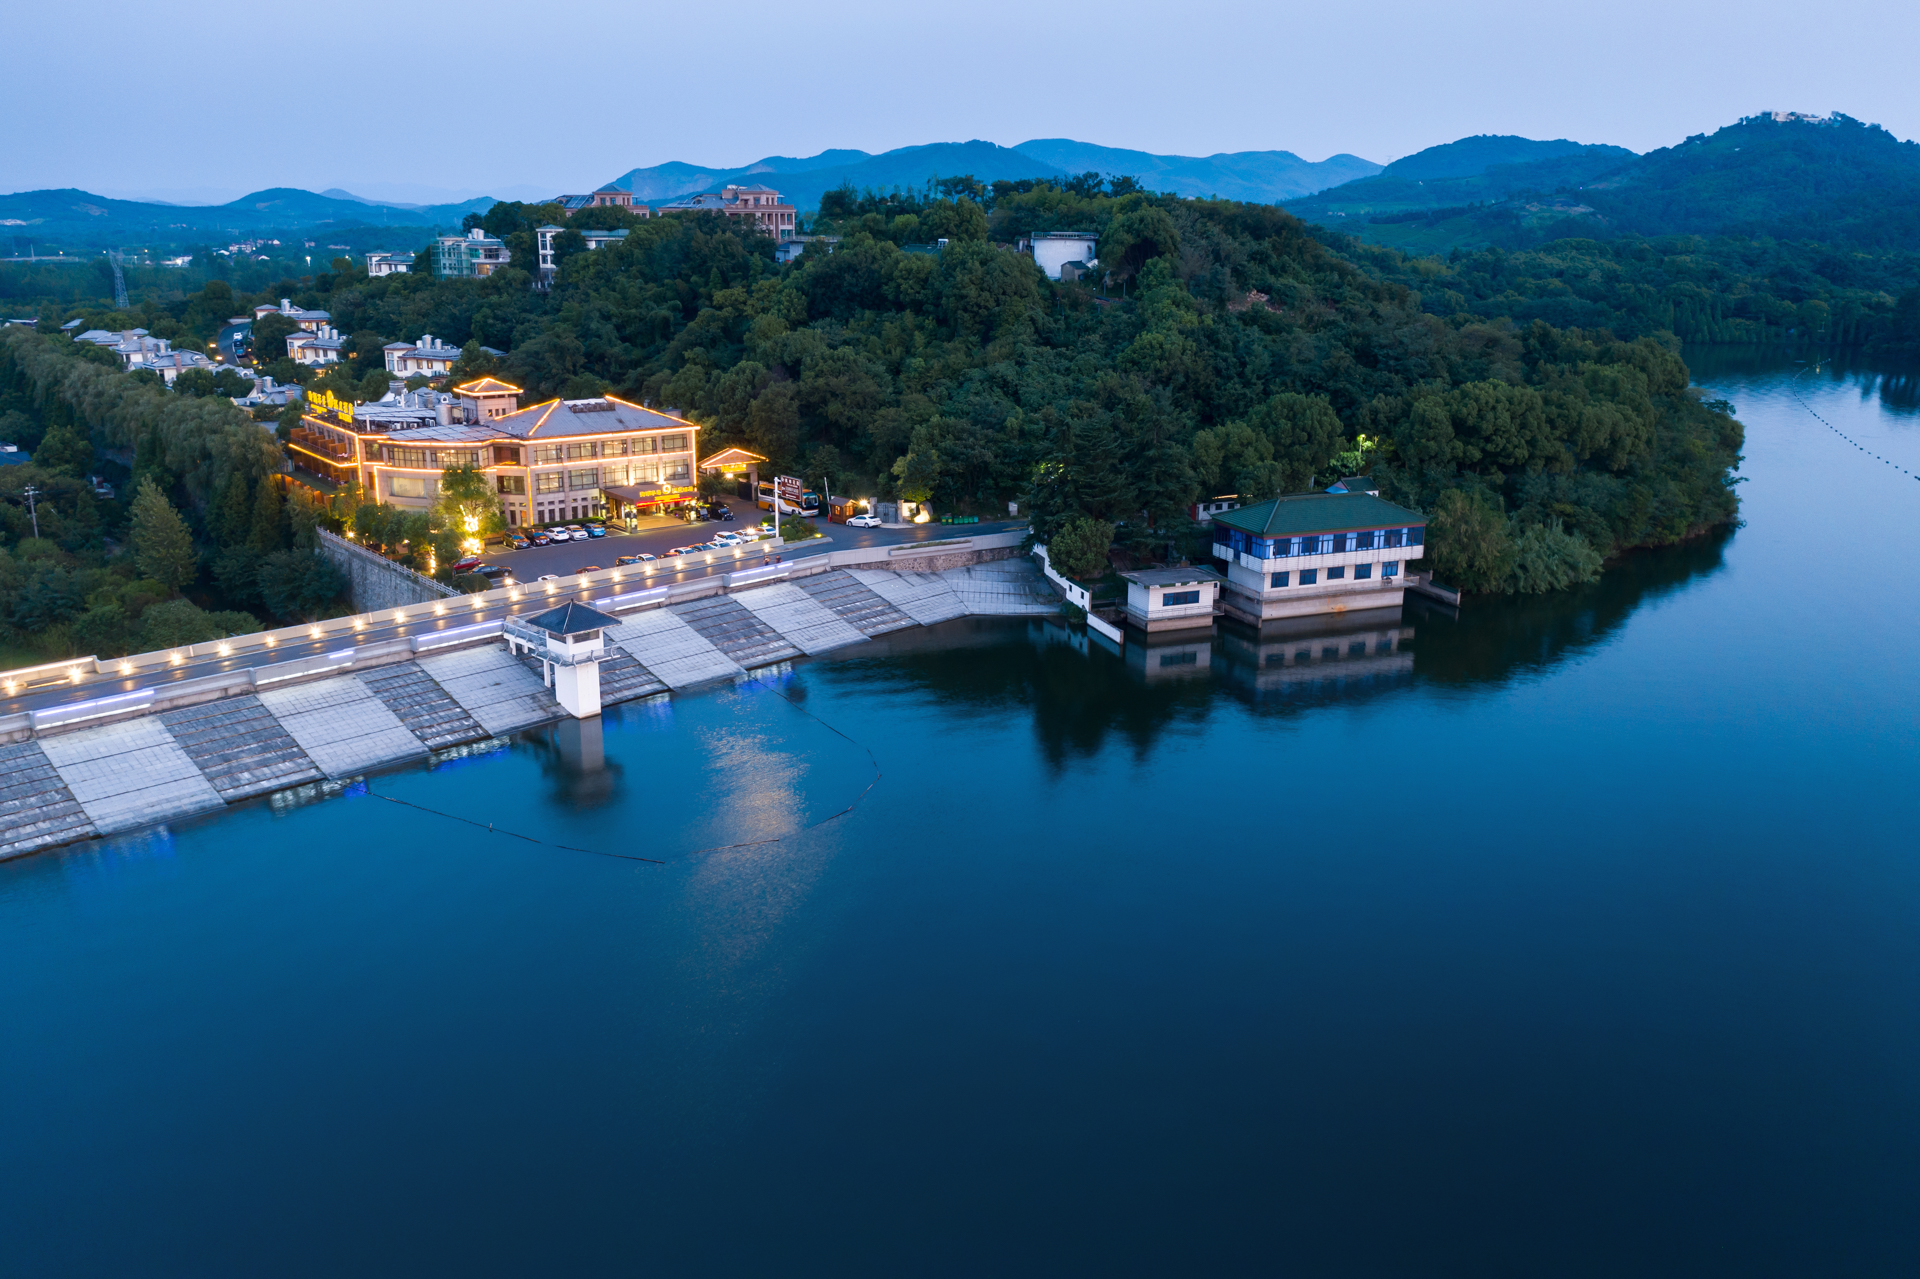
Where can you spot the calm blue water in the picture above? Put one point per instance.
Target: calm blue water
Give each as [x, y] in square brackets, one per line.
[1585, 943]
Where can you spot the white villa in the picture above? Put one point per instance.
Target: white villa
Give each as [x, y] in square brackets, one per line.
[1310, 553]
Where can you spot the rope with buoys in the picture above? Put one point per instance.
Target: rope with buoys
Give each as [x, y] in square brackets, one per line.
[1836, 430]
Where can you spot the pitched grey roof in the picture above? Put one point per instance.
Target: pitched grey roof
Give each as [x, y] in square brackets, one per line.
[602, 416]
[571, 619]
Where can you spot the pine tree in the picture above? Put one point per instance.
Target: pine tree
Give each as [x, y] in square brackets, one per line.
[234, 521]
[162, 547]
[269, 529]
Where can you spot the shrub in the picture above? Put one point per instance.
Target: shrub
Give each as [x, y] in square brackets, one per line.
[1079, 549]
[795, 529]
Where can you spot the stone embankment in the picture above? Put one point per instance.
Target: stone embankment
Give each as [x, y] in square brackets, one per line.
[78, 770]
[376, 582]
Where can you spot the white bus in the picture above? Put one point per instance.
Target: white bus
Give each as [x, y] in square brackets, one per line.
[809, 507]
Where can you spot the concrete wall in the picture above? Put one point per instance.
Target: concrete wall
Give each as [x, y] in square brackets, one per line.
[378, 582]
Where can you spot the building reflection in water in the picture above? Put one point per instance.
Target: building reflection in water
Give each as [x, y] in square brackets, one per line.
[1345, 653]
[573, 757]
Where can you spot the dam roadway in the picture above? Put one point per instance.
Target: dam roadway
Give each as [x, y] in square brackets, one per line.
[40, 688]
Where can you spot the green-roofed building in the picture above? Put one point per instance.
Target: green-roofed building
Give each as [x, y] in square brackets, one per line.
[1308, 553]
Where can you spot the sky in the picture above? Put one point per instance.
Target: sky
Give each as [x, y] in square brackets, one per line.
[414, 102]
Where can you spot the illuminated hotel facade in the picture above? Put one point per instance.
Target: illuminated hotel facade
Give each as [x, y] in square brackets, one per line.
[553, 462]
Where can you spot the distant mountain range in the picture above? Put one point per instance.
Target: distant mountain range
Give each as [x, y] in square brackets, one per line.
[81, 219]
[1780, 174]
[1832, 179]
[1261, 176]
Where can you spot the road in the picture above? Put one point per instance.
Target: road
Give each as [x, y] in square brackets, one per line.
[574, 557]
[36, 692]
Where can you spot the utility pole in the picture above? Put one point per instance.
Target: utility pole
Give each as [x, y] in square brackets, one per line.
[30, 493]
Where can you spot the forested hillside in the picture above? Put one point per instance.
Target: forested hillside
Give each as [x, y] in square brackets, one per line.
[1233, 352]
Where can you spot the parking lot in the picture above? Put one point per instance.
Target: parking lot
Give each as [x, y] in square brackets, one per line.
[657, 537]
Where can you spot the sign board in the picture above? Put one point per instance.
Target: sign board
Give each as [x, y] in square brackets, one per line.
[327, 401]
[789, 488]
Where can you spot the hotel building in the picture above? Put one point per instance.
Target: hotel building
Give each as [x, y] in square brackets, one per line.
[551, 463]
[1315, 553]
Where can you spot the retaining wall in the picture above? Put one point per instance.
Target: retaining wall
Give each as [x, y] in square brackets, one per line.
[377, 582]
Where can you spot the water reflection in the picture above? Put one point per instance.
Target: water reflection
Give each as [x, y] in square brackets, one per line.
[1896, 388]
[1499, 638]
[1080, 694]
[573, 758]
[1312, 660]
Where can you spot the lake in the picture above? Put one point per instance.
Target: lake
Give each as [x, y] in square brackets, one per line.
[1571, 936]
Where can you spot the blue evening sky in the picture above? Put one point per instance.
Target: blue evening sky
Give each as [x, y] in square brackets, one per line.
[415, 101]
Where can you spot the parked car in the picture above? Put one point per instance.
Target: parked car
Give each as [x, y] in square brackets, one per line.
[541, 537]
[719, 512]
[498, 574]
[466, 565]
[559, 535]
[591, 568]
[518, 541]
[547, 577]
[679, 550]
[596, 530]
[729, 539]
[626, 560]
[863, 521]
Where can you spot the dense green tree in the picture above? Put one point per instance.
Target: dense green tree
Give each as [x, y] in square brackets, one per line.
[268, 529]
[468, 506]
[1079, 549]
[1468, 541]
[162, 546]
[64, 450]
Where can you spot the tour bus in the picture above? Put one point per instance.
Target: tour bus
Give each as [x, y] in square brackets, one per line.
[809, 502]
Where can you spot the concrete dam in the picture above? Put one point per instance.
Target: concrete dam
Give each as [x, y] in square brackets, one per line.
[164, 749]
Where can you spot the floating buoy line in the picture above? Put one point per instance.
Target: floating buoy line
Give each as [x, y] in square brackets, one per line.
[366, 788]
[1836, 430]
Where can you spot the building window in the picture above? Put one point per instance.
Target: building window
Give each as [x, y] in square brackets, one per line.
[512, 483]
[1174, 599]
[459, 457]
[1390, 568]
[1308, 576]
[1394, 536]
[1361, 572]
[672, 443]
[645, 444]
[1279, 579]
[504, 454]
[1336, 572]
[546, 454]
[405, 457]
[586, 448]
[547, 482]
[1363, 541]
[407, 486]
[1417, 537]
[677, 471]
[589, 478]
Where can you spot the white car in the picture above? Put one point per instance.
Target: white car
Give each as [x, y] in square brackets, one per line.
[547, 577]
[863, 521]
[727, 539]
[559, 535]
